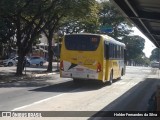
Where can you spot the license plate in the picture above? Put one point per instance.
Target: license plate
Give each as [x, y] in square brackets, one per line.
[79, 69]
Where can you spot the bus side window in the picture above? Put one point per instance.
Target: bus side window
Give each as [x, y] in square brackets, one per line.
[114, 51]
[110, 51]
[121, 54]
[106, 50]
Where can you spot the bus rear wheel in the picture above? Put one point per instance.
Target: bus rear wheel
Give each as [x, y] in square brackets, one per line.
[121, 75]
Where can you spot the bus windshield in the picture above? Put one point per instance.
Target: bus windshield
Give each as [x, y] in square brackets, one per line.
[82, 42]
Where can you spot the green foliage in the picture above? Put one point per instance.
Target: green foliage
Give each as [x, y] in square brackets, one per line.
[134, 46]
[155, 55]
[82, 17]
[110, 16]
[142, 60]
[26, 16]
[70, 15]
[7, 34]
[7, 30]
[28, 20]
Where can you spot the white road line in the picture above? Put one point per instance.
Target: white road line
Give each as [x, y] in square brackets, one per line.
[25, 106]
[39, 75]
[119, 83]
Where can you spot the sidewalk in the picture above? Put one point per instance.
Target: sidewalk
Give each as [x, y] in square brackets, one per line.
[7, 74]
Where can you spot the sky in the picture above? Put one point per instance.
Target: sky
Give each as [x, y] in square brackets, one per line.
[149, 46]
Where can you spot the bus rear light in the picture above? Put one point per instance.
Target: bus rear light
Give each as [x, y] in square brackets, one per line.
[61, 65]
[99, 68]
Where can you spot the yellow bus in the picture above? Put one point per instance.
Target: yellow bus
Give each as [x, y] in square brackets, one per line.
[92, 57]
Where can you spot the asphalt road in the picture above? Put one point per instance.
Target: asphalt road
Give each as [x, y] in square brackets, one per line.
[20, 93]
[137, 98]
[130, 93]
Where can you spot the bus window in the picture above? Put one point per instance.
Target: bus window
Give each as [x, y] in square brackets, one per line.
[119, 56]
[81, 42]
[123, 53]
[115, 51]
[106, 50]
[111, 51]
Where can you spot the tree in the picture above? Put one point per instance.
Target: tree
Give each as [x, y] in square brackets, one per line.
[155, 55]
[68, 13]
[86, 19]
[134, 46]
[54, 16]
[27, 17]
[142, 60]
[7, 33]
[111, 17]
[82, 18]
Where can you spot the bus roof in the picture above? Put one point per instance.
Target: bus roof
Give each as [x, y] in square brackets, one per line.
[112, 40]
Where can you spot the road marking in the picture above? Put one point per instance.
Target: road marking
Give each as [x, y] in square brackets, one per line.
[39, 75]
[119, 83]
[25, 106]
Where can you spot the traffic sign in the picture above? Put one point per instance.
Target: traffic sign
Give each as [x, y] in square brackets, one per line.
[106, 29]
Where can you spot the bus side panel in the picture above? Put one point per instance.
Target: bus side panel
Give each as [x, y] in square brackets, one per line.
[115, 69]
[116, 66]
[108, 69]
[101, 60]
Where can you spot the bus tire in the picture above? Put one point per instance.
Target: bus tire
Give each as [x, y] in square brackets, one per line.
[111, 78]
[122, 72]
[119, 78]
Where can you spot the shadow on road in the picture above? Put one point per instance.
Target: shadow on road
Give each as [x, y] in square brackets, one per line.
[138, 98]
[72, 87]
[85, 85]
[50, 83]
[25, 81]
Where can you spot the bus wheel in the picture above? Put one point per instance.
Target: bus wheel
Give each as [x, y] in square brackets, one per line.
[121, 75]
[111, 78]
[122, 72]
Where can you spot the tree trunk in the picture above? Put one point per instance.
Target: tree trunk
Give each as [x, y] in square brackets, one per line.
[50, 52]
[20, 65]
